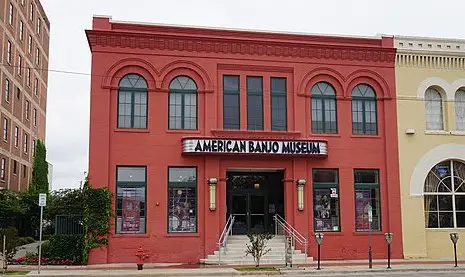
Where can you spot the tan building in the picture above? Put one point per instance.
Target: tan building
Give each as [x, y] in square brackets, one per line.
[430, 81]
[24, 36]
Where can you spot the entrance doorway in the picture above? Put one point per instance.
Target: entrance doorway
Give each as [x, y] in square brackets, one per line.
[254, 198]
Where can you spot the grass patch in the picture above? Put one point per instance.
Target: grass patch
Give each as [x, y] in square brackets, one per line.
[248, 269]
[14, 273]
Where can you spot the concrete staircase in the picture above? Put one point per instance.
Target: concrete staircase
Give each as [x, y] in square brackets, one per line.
[234, 253]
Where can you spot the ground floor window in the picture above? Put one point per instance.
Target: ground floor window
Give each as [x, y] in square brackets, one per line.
[182, 200]
[367, 198]
[130, 200]
[444, 195]
[326, 200]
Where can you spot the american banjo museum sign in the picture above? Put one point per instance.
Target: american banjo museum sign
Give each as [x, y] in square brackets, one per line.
[239, 146]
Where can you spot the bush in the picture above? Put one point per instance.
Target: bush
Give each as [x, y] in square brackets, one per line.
[11, 241]
[45, 249]
[68, 247]
[25, 240]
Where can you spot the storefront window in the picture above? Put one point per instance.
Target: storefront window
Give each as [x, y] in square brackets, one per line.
[130, 200]
[367, 197]
[445, 196]
[326, 200]
[182, 200]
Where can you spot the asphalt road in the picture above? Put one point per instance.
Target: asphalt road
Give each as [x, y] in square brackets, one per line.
[393, 274]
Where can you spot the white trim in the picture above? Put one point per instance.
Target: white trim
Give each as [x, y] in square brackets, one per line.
[434, 156]
[444, 86]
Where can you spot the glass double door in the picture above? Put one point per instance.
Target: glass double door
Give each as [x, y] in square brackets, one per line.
[250, 213]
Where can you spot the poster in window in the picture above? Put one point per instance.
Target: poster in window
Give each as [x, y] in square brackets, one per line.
[322, 210]
[362, 204]
[131, 212]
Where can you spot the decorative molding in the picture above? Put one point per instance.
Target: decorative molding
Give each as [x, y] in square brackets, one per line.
[430, 45]
[443, 87]
[261, 68]
[432, 61]
[244, 46]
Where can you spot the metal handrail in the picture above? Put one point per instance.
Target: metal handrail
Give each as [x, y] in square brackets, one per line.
[227, 230]
[291, 231]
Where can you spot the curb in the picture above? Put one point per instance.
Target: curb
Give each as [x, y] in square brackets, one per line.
[355, 271]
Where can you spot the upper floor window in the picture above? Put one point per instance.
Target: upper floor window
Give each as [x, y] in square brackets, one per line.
[433, 110]
[460, 109]
[31, 12]
[132, 102]
[38, 25]
[37, 56]
[364, 115]
[7, 90]
[183, 103]
[5, 129]
[8, 52]
[16, 141]
[444, 195]
[20, 65]
[21, 30]
[231, 102]
[324, 111]
[10, 15]
[29, 44]
[278, 104]
[254, 103]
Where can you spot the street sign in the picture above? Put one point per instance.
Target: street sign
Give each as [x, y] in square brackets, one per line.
[42, 199]
[370, 214]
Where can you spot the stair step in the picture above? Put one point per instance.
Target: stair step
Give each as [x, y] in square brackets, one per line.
[251, 262]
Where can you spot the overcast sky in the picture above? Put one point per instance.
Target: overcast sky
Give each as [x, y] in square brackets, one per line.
[68, 94]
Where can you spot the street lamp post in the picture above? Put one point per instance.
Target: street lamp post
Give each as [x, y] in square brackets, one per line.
[319, 240]
[389, 237]
[454, 237]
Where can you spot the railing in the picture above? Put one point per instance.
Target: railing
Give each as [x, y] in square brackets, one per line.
[289, 230]
[227, 230]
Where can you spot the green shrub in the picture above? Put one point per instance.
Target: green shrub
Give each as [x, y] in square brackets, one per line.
[11, 241]
[65, 247]
[25, 240]
[45, 249]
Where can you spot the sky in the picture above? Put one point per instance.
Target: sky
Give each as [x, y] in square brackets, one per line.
[67, 137]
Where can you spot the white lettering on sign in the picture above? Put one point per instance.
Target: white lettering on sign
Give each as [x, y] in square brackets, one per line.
[42, 199]
[235, 146]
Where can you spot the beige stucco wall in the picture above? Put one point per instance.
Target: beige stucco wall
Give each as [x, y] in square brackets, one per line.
[423, 149]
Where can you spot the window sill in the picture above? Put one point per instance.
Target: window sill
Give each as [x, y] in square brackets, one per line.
[182, 131]
[182, 235]
[366, 233]
[256, 133]
[457, 133]
[444, 229]
[129, 130]
[325, 135]
[130, 236]
[436, 132]
[366, 136]
[329, 233]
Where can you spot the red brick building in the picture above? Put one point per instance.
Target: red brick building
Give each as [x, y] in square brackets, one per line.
[24, 37]
[191, 126]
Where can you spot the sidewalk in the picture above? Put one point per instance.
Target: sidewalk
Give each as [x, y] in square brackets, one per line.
[327, 267]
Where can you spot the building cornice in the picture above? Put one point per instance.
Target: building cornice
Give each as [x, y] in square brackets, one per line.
[430, 46]
[241, 46]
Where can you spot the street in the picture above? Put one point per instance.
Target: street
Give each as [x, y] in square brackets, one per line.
[386, 274]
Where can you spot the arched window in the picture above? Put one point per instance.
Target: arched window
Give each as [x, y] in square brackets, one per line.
[433, 110]
[132, 102]
[445, 195]
[460, 109]
[324, 111]
[183, 103]
[364, 115]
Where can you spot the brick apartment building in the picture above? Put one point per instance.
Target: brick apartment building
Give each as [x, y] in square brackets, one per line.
[24, 37]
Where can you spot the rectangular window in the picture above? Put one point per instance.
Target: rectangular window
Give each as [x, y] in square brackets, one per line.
[182, 199]
[8, 52]
[231, 102]
[254, 103]
[131, 184]
[2, 172]
[24, 171]
[29, 45]
[31, 12]
[10, 15]
[36, 86]
[37, 56]
[367, 197]
[20, 65]
[18, 93]
[25, 143]
[33, 147]
[278, 104]
[28, 77]
[38, 25]
[15, 167]
[5, 129]
[27, 109]
[16, 136]
[7, 90]
[326, 200]
[34, 116]
[22, 2]
[21, 30]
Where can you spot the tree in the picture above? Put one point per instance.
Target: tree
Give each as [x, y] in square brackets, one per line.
[39, 180]
[257, 247]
